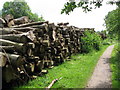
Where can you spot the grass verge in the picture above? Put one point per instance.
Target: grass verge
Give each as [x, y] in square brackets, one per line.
[74, 73]
[115, 67]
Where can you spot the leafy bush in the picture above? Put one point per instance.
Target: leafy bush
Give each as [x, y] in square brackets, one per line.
[90, 41]
[107, 41]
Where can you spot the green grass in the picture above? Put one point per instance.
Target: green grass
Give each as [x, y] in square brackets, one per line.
[115, 66]
[74, 73]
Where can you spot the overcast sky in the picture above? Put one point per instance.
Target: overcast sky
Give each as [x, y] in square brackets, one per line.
[50, 10]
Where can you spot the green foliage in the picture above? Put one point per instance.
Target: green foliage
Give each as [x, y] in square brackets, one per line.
[90, 41]
[112, 21]
[115, 67]
[86, 5]
[74, 73]
[19, 8]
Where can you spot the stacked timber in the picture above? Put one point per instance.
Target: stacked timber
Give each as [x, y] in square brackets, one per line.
[27, 49]
[9, 21]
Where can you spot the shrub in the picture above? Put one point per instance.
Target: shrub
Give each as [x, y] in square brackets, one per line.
[90, 41]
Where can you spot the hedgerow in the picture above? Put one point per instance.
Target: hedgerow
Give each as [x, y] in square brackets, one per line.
[90, 41]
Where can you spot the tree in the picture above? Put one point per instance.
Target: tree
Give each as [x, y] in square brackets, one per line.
[86, 5]
[112, 21]
[19, 8]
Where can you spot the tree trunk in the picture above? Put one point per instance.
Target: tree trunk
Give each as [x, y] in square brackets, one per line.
[4, 31]
[39, 66]
[8, 74]
[14, 60]
[24, 29]
[30, 68]
[8, 18]
[19, 47]
[8, 49]
[3, 59]
[15, 38]
[20, 38]
[30, 24]
[21, 20]
[2, 23]
[10, 23]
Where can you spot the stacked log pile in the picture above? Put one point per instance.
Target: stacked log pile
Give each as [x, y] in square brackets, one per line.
[27, 49]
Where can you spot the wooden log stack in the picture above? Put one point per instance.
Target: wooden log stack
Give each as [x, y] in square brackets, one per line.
[27, 49]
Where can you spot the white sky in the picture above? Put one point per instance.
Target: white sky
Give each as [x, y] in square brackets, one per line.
[50, 10]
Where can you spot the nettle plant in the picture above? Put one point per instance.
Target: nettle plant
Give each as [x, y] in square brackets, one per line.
[90, 41]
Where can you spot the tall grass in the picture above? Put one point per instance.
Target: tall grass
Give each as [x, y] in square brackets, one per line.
[115, 66]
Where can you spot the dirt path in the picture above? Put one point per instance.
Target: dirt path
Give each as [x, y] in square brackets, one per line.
[101, 77]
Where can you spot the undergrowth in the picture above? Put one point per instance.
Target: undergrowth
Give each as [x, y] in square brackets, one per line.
[90, 41]
[115, 66]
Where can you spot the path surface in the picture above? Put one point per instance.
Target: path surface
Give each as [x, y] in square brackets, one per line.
[101, 77]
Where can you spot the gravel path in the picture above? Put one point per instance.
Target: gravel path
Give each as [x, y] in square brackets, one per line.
[101, 77]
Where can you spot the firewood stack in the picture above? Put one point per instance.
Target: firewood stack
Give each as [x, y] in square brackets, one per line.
[27, 49]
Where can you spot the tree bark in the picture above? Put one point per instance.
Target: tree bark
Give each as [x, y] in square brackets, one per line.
[20, 38]
[30, 24]
[39, 66]
[2, 23]
[8, 74]
[14, 60]
[8, 18]
[15, 38]
[21, 20]
[19, 47]
[4, 31]
[8, 49]
[3, 59]
[10, 23]
[24, 29]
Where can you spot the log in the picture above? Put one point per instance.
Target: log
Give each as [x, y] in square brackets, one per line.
[12, 49]
[39, 66]
[31, 36]
[44, 71]
[21, 20]
[8, 18]
[33, 59]
[51, 26]
[29, 52]
[30, 49]
[9, 43]
[24, 29]
[66, 23]
[46, 43]
[8, 49]
[14, 60]
[51, 84]
[30, 68]
[8, 74]
[30, 24]
[3, 59]
[19, 47]
[20, 38]
[43, 27]
[4, 31]
[10, 23]
[2, 23]
[60, 24]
